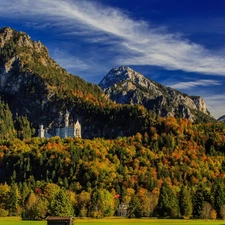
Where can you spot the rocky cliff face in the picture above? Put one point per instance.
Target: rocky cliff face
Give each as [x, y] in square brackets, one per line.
[23, 89]
[127, 86]
[33, 84]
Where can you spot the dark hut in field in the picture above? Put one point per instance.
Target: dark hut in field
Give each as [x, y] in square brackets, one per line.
[57, 220]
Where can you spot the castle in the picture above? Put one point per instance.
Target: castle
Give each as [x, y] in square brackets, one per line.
[62, 132]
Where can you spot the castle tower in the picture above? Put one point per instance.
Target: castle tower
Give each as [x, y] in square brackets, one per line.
[77, 129]
[41, 131]
[66, 127]
[67, 119]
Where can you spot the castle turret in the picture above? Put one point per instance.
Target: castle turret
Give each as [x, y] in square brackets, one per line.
[77, 129]
[67, 119]
[41, 131]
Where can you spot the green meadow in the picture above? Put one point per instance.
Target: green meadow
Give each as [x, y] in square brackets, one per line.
[116, 221]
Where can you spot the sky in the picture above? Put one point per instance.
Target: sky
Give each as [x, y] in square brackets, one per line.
[178, 43]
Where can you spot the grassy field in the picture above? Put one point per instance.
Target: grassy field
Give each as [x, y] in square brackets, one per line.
[116, 221]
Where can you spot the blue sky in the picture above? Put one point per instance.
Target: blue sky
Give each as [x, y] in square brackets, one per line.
[178, 43]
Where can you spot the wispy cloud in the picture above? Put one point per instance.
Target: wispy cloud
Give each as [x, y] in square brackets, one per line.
[69, 61]
[137, 42]
[193, 84]
[75, 63]
[216, 105]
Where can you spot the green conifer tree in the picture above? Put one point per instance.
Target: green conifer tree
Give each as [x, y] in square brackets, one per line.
[218, 197]
[200, 196]
[7, 130]
[134, 209]
[168, 203]
[61, 205]
[185, 202]
[14, 198]
[23, 127]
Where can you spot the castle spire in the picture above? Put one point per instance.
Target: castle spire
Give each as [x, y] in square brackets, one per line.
[41, 131]
[67, 119]
[77, 129]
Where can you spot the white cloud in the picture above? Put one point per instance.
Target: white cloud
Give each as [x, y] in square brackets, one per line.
[193, 84]
[75, 63]
[137, 42]
[215, 104]
[69, 61]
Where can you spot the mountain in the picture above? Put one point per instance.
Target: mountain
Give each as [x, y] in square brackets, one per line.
[126, 86]
[221, 118]
[37, 90]
[35, 86]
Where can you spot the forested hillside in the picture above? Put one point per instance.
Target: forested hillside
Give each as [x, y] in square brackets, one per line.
[165, 167]
[35, 87]
[174, 169]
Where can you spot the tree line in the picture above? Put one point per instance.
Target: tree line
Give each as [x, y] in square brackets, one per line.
[174, 169]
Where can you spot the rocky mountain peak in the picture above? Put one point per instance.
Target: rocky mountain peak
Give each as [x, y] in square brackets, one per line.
[126, 86]
[21, 39]
[123, 73]
[5, 34]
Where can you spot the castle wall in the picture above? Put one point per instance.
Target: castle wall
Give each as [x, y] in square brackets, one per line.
[62, 132]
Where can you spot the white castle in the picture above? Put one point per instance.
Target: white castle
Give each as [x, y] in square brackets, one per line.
[62, 132]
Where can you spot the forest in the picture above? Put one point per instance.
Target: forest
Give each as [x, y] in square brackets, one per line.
[173, 169]
[157, 167]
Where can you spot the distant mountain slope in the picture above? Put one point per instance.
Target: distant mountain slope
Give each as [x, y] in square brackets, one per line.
[127, 86]
[35, 86]
[27, 72]
[221, 118]
[21, 56]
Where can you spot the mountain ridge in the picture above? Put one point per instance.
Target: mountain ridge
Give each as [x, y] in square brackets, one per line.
[36, 87]
[126, 86]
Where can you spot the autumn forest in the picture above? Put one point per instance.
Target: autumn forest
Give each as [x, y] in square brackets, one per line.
[163, 167]
[174, 169]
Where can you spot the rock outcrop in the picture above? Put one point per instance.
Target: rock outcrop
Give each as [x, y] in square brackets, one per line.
[127, 86]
